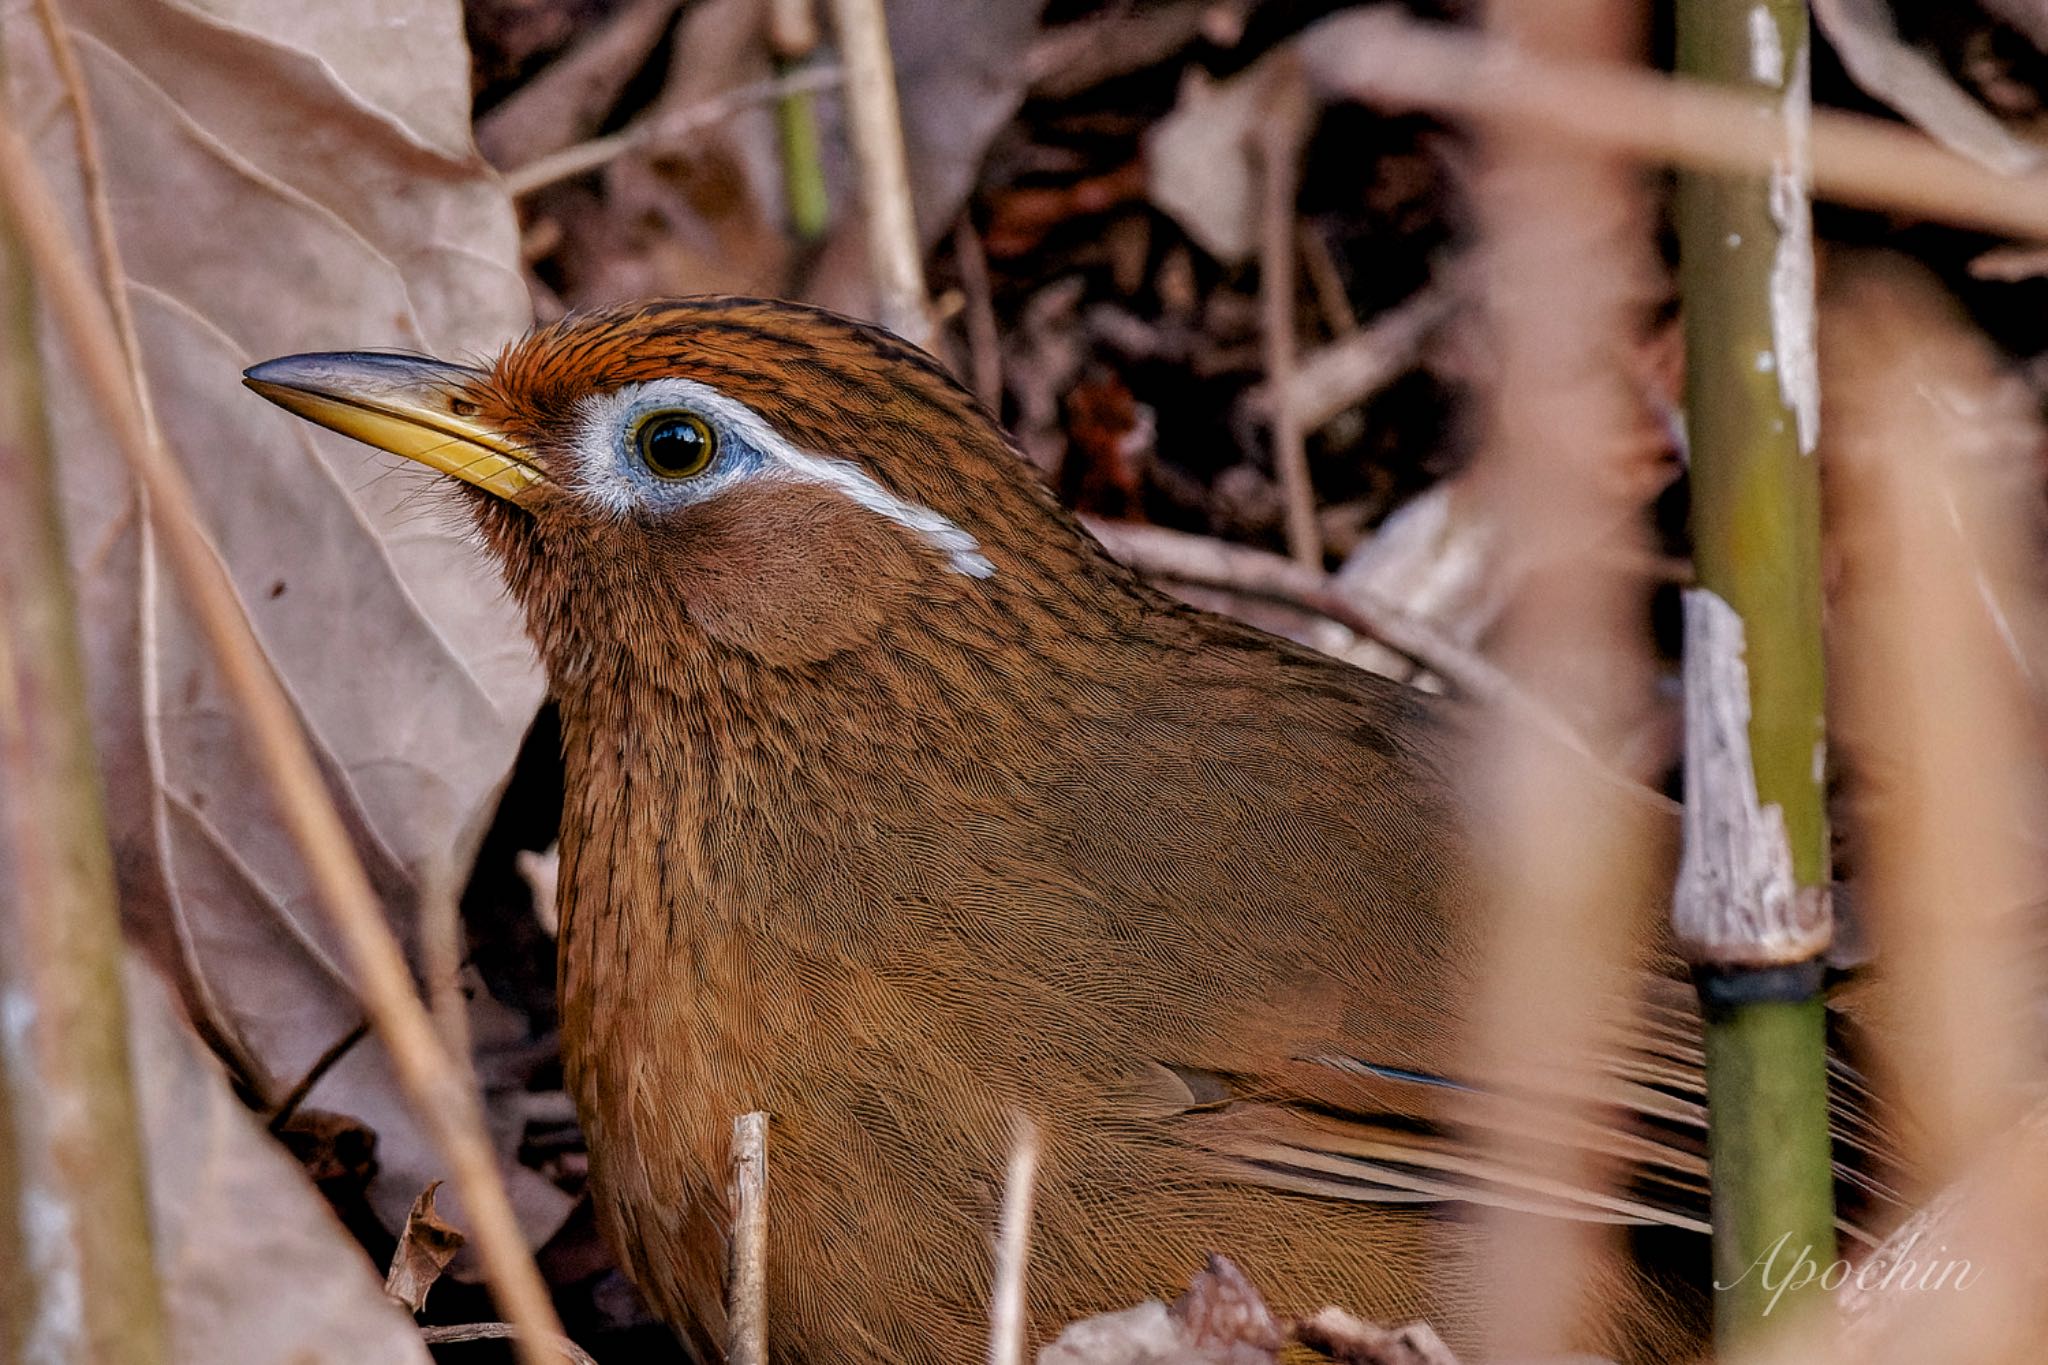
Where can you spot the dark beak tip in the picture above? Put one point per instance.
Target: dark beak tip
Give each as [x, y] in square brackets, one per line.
[281, 374]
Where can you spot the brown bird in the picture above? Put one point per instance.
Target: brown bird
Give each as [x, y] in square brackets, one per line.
[896, 807]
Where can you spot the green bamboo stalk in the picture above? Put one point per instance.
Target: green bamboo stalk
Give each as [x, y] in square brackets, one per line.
[1751, 909]
[803, 167]
[74, 1138]
[793, 37]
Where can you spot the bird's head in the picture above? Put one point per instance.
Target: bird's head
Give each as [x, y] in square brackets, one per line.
[765, 477]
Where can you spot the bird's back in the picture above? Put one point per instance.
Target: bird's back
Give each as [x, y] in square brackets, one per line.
[1181, 898]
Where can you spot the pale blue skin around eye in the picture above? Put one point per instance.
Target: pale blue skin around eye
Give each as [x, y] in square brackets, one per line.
[734, 460]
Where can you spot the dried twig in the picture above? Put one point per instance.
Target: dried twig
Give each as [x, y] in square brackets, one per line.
[1333, 301]
[446, 1105]
[1382, 58]
[1071, 58]
[1282, 130]
[571, 95]
[565, 1349]
[1358, 365]
[70, 1131]
[92, 174]
[441, 943]
[1562, 866]
[895, 256]
[746, 1270]
[984, 345]
[1934, 529]
[281, 1116]
[1866, 37]
[665, 130]
[792, 27]
[1007, 1306]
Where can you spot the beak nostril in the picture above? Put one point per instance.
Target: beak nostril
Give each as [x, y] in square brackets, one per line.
[462, 407]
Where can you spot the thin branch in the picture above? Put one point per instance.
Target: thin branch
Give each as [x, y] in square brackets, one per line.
[667, 130]
[444, 1102]
[1866, 38]
[441, 955]
[1279, 139]
[1357, 365]
[281, 1117]
[1381, 58]
[746, 1272]
[1007, 1311]
[895, 256]
[984, 343]
[1561, 869]
[92, 174]
[67, 1092]
[570, 96]
[567, 1350]
[1320, 265]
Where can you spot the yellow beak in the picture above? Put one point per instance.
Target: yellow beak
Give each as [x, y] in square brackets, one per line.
[408, 406]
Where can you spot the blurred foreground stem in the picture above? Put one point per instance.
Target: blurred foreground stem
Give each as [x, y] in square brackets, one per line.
[72, 1145]
[1751, 910]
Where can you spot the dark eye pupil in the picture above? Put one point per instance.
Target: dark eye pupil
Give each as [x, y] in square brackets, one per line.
[675, 445]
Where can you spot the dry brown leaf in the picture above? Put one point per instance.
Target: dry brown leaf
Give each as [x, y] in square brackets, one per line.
[1199, 163]
[285, 177]
[707, 214]
[254, 1267]
[1220, 1320]
[425, 1248]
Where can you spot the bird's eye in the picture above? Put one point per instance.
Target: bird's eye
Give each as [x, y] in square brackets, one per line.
[675, 445]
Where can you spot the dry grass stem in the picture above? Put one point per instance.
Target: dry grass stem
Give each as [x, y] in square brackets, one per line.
[92, 174]
[1351, 369]
[1281, 134]
[571, 95]
[1977, 1244]
[895, 256]
[1381, 58]
[1320, 265]
[1866, 38]
[1563, 865]
[441, 944]
[446, 1104]
[566, 1350]
[1007, 1310]
[984, 343]
[71, 1160]
[667, 130]
[1933, 457]
[746, 1271]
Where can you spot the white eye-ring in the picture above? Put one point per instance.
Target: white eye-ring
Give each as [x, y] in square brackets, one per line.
[672, 441]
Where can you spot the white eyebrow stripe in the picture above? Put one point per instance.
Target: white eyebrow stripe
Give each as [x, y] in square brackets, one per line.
[615, 410]
[961, 550]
